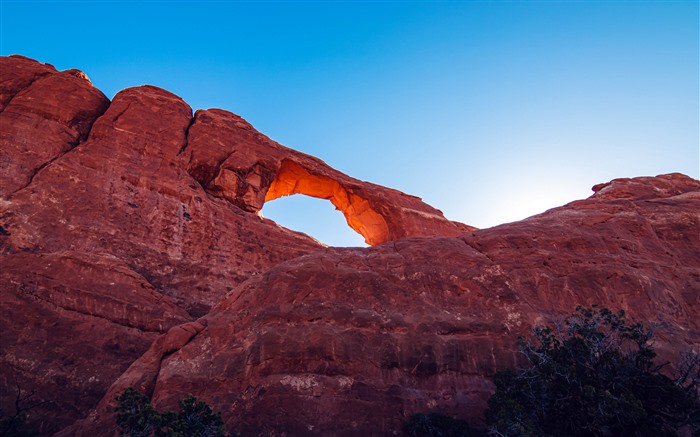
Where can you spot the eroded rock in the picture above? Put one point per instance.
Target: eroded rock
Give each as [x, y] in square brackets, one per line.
[354, 341]
[233, 161]
[120, 220]
[44, 115]
[132, 255]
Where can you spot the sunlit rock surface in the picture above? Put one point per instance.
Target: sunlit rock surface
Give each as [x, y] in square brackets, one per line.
[132, 255]
[231, 160]
[118, 220]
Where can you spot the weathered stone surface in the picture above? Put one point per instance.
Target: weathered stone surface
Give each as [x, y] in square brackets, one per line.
[132, 255]
[106, 240]
[125, 192]
[45, 114]
[17, 73]
[232, 160]
[353, 341]
[70, 324]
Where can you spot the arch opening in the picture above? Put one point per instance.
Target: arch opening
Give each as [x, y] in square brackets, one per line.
[314, 217]
[292, 178]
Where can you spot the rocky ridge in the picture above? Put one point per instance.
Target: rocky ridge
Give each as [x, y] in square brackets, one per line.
[133, 255]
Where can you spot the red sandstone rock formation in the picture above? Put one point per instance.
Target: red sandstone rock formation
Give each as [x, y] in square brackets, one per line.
[132, 255]
[230, 159]
[122, 219]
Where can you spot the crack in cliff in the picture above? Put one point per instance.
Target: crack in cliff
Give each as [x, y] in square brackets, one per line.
[92, 124]
[72, 145]
[187, 136]
[41, 76]
[145, 276]
[165, 354]
[303, 298]
[205, 181]
[119, 115]
[222, 161]
[481, 251]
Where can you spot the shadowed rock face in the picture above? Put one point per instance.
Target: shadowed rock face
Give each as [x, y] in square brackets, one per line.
[122, 219]
[353, 341]
[132, 255]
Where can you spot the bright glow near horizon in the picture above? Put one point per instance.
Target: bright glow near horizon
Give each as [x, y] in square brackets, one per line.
[489, 111]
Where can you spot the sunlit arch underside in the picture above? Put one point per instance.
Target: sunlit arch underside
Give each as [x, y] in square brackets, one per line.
[295, 179]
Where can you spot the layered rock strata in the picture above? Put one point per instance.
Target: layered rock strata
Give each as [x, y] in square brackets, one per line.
[354, 341]
[132, 254]
[121, 219]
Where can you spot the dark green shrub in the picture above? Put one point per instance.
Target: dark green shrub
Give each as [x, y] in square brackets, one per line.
[196, 418]
[592, 375]
[137, 418]
[14, 425]
[437, 425]
[135, 415]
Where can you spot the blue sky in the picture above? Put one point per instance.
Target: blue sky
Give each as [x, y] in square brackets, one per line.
[490, 111]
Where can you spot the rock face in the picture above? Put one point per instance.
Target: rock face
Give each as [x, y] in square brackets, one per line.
[121, 219]
[233, 161]
[132, 255]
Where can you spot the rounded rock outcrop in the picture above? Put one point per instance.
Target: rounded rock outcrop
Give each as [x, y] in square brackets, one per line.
[132, 255]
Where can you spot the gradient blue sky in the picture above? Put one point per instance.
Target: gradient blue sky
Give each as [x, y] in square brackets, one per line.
[490, 111]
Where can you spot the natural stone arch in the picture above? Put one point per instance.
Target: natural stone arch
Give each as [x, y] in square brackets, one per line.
[292, 178]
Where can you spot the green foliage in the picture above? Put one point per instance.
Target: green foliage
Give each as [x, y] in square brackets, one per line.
[196, 419]
[14, 425]
[437, 425]
[137, 418]
[135, 415]
[592, 375]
